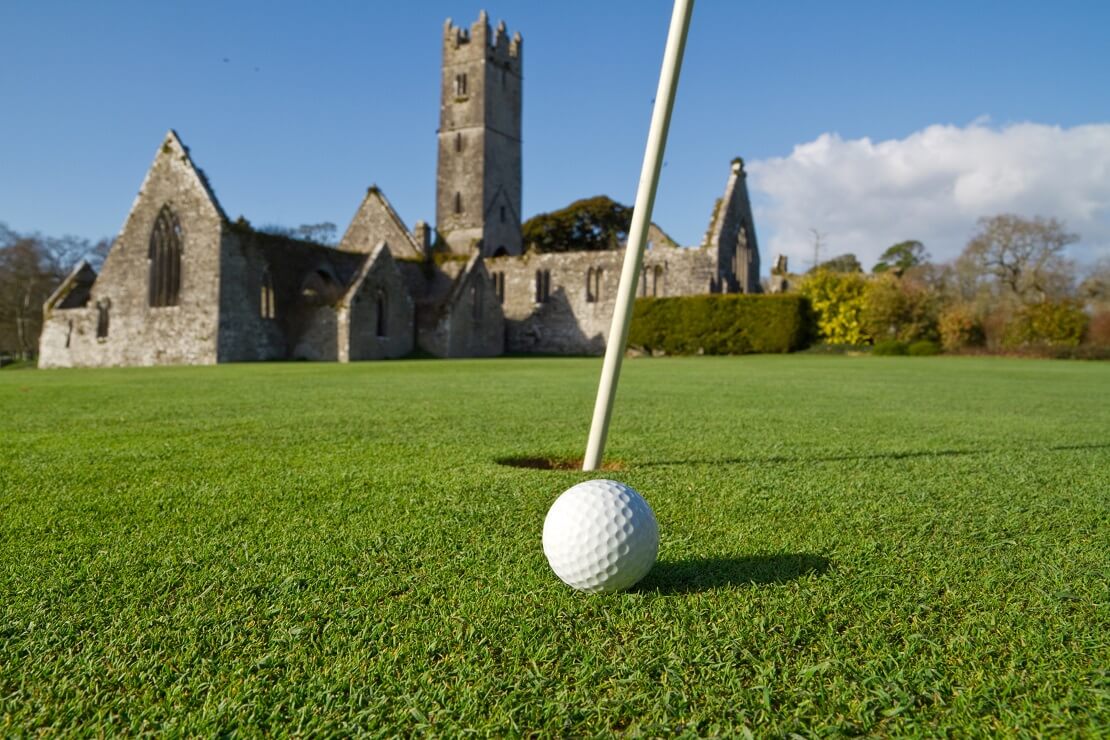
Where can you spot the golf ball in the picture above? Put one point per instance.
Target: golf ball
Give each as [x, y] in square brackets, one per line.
[600, 536]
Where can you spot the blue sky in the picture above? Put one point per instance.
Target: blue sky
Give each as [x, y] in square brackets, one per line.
[293, 109]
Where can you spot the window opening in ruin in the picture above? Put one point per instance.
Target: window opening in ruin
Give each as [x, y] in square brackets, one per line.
[499, 286]
[458, 202]
[597, 284]
[656, 280]
[69, 333]
[502, 214]
[165, 259]
[591, 297]
[643, 282]
[266, 299]
[380, 306]
[543, 285]
[460, 84]
[458, 142]
[102, 318]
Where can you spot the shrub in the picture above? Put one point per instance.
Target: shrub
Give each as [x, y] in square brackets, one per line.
[899, 308]
[923, 348]
[720, 324]
[960, 328]
[889, 347]
[1098, 330]
[1052, 324]
[837, 301]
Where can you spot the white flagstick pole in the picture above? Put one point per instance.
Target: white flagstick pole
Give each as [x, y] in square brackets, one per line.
[637, 232]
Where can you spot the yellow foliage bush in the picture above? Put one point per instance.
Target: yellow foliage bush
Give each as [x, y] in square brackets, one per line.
[837, 299]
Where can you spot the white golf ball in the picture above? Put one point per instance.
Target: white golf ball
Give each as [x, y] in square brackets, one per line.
[600, 536]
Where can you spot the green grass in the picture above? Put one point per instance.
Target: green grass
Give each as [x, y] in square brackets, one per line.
[849, 545]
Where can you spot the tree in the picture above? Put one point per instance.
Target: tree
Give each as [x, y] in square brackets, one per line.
[321, 233]
[904, 309]
[1095, 287]
[31, 267]
[840, 263]
[901, 257]
[591, 224]
[1022, 258]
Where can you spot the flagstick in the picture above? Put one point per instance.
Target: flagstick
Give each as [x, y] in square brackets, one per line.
[637, 233]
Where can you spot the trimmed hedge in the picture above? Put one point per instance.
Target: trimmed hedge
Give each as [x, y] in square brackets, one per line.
[721, 324]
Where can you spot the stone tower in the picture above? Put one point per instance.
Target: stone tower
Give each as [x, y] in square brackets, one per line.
[478, 173]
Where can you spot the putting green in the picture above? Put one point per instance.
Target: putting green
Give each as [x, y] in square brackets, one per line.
[848, 545]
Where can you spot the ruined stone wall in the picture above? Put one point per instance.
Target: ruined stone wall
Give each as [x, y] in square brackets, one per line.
[732, 234]
[245, 334]
[139, 334]
[317, 339]
[380, 289]
[375, 221]
[575, 314]
[468, 321]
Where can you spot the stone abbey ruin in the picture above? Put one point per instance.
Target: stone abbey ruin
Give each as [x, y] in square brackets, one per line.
[183, 284]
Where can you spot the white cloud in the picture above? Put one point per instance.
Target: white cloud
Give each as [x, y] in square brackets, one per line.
[932, 186]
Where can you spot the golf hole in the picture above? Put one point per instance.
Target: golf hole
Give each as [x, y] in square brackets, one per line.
[554, 463]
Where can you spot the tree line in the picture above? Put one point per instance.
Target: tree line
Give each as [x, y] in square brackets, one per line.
[1012, 289]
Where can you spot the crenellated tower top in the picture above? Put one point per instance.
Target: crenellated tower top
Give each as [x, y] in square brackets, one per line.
[502, 50]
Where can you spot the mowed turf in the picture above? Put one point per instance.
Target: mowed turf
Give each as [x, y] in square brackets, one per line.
[849, 545]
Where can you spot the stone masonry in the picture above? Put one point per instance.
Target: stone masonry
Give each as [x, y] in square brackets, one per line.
[182, 284]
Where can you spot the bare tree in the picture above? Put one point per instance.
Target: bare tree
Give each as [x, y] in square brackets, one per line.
[818, 244]
[1024, 258]
[31, 267]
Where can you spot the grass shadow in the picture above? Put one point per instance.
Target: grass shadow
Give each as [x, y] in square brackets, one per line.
[779, 459]
[785, 459]
[703, 574]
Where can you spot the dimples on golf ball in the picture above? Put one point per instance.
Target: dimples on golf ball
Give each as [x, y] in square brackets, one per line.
[600, 536]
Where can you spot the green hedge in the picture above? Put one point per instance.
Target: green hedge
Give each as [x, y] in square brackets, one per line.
[721, 324]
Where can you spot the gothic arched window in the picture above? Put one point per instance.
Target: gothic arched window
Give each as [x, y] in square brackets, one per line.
[165, 259]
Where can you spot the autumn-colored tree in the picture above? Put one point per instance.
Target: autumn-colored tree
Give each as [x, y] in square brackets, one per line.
[1021, 259]
[837, 302]
[904, 309]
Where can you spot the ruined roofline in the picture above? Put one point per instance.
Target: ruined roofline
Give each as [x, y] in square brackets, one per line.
[498, 40]
[410, 244]
[457, 289]
[67, 284]
[360, 275]
[173, 138]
